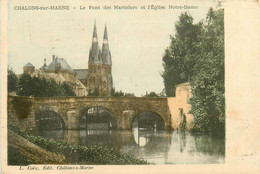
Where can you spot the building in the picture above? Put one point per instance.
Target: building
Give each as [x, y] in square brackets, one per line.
[99, 76]
[28, 68]
[96, 79]
[179, 107]
[60, 71]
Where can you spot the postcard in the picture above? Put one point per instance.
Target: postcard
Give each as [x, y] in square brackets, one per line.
[129, 86]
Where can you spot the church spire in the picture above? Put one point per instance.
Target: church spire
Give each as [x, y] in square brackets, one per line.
[95, 32]
[106, 56]
[105, 33]
[94, 52]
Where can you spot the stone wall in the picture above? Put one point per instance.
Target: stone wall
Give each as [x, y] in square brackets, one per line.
[180, 108]
[25, 124]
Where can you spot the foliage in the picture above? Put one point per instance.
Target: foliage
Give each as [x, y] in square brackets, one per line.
[16, 158]
[151, 94]
[208, 88]
[12, 80]
[41, 87]
[178, 59]
[120, 93]
[196, 55]
[67, 89]
[81, 154]
[129, 95]
[22, 107]
[115, 93]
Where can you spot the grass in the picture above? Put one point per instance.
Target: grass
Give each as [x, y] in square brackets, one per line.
[82, 154]
[16, 158]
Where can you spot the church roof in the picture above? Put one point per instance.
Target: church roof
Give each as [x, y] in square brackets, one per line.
[81, 73]
[59, 64]
[44, 67]
[28, 65]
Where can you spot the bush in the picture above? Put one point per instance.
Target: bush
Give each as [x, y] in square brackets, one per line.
[16, 158]
[41, 87]
[12, 80]
[82, 154]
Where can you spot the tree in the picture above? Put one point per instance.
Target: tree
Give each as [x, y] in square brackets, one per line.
[41, 87]
[208, 88]
[196, 55]
[118, 93]
[25, 85]
[12, 80]
[151, 94]
[178, 59]
[115, 93]
[67, 89]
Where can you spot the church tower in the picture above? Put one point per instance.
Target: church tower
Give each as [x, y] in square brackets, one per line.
[99, 78]
[106, 60]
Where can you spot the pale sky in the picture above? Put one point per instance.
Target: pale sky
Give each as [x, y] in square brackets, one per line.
[137, 39]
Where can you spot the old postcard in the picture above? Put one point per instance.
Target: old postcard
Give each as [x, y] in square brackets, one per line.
[129, 86]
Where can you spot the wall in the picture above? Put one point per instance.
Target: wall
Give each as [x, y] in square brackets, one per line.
[179, 106]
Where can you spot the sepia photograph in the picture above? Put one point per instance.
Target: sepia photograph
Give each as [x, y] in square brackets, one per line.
[116, 83]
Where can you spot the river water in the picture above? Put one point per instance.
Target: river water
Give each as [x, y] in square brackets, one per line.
[155, 146]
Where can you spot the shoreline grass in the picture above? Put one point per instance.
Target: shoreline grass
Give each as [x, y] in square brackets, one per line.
[77, 154]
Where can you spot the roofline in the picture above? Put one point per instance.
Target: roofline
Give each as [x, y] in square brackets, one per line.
[182, 84]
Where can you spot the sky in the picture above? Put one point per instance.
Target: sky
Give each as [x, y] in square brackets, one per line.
[137, 38]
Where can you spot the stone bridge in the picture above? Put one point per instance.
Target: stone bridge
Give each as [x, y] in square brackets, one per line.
[23, 111]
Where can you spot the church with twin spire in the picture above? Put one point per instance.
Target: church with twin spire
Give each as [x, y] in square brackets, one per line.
[99, 78]
[96, 80]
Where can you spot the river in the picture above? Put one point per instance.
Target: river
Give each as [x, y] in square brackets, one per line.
[155, 146]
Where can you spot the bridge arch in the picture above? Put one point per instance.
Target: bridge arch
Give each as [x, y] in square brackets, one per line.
[99, 114]
[49, 120]
[153, 118]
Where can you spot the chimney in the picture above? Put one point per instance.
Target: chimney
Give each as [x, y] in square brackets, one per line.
[44, 61]
[53, 57]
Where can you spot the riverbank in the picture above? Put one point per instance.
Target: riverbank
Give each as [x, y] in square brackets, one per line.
[73, 154]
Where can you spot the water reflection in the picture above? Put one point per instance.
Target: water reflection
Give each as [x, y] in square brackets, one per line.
[97, 118]
[158, 147]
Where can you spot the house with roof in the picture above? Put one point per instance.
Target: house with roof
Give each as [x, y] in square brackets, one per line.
[60, 71]
[96, 79]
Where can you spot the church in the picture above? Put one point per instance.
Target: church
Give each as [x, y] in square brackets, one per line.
[96, 80]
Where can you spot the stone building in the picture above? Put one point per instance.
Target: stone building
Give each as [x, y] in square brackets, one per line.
[99, 76]
[96, 79]
[82, 75]
[60, 71]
